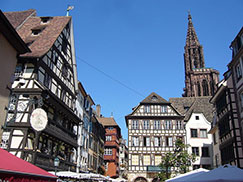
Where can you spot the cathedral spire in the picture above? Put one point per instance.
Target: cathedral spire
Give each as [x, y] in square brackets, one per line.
[191, 38]
[199, 81]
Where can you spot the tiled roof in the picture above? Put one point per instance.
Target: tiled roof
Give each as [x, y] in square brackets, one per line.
[189, 105]
[18, 17]
[107, 121]
[49, 32]
[154, 98]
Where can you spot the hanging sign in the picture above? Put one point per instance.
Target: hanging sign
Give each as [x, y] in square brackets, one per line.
[38, 119]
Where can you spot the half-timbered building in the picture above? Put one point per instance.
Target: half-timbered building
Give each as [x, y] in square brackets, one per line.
[11, 45]
[153, 127]
[227, 122]
[45, 78]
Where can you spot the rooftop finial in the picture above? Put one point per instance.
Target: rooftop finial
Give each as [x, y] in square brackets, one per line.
[68, 9]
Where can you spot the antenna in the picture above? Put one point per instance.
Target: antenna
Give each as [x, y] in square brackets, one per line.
[68, 9]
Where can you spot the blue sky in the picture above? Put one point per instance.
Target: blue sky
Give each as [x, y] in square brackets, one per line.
[127, 49]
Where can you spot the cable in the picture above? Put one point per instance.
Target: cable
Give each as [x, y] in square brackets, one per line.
[115, 80]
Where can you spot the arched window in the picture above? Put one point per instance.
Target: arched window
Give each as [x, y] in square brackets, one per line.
[205, 88]
[198, 89]
[212, 87]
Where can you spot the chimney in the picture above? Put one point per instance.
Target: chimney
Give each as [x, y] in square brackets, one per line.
[98, 108]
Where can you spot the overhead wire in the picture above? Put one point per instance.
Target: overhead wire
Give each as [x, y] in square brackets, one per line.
[110, 77]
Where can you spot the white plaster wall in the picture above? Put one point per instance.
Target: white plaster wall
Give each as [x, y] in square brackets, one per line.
[202, 123]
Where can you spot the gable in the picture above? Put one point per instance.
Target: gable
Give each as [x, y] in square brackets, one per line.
[155, 110]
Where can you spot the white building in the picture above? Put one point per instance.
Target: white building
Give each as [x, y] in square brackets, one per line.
[83, 110]
[198, 117]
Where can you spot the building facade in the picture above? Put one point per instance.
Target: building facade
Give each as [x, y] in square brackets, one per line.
[236, 67]
[198, 118]
[45, 79]
[229, 142]
[11, 46]
[123, 159]
[153, 127]
[199, 80]
[84, 111]
[96, 147]
[112, 145]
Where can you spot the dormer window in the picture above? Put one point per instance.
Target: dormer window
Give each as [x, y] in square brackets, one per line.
[154, 98]
[36, 32]
[45, 19]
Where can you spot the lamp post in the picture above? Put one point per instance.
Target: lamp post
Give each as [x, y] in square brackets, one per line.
[56, 164]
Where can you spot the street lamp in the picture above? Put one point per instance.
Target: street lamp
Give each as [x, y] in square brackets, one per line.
[56, 164]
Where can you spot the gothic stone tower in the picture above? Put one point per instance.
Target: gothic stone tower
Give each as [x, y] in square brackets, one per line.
[199, 80]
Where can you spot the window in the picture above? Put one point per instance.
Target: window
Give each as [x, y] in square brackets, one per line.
[241, 100]
[205, 88]
[146, 124]
[134, 124]
[110, 128]
[108, 151]
[179, 124]
[203, 133]
[238, 71]
[36, 31]
[205, 152]
[224, 126]
[157, 125]
[157, 141]
[214, 139]
[108, 138]
[193, 133]
[169, 142]
[146, 141]
[195, 150]
[164, 109]
[154, 98]
[199, 89]
[146, 108]
[135, 141]
[227, 153]
[135, 160]
[168, 125]
[197, 117]
[157, 160]
[146, 160]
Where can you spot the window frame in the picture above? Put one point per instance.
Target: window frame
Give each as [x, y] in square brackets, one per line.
[157, 124]
[135, 141]
[164, 109]
[200, 134]
[147, 109]
[146, 124]
[192, 136]
[195, 150]
[168, 125]
[135, 124]
[205, 153]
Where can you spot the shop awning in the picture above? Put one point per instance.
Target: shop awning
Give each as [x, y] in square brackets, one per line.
[14, 167]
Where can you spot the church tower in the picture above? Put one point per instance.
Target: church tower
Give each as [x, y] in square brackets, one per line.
[199, 80]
